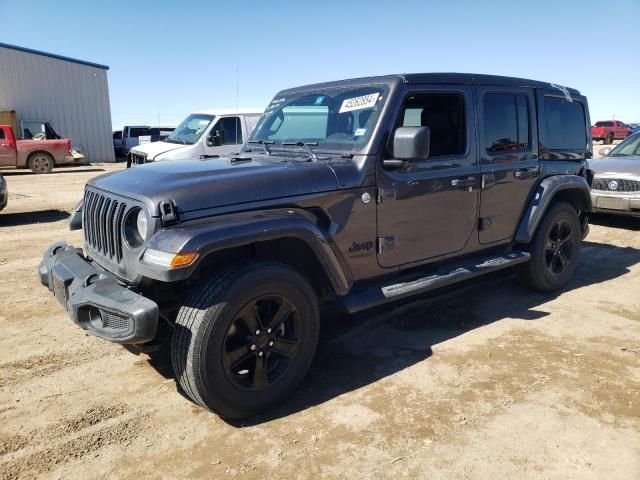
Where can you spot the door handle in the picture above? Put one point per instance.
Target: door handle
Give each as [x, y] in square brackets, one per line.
[463, 182]
[525, 173]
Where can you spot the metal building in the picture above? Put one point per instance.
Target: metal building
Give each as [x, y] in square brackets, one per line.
[72, 95]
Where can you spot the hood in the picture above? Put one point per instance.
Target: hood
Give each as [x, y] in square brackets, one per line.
[152, 150]
[621, 166]
[202, 184]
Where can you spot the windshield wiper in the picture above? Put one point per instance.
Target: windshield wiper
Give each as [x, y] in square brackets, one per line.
[264, 144]
[175, 140]
[306, 146]
[618, 154]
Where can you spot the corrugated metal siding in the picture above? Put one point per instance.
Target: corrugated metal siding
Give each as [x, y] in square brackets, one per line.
[73, 97]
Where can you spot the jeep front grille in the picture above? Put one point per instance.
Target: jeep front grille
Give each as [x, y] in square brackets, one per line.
[622, 185]
[102, 223]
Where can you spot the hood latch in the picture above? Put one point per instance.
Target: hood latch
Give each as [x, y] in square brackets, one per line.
[168, 213]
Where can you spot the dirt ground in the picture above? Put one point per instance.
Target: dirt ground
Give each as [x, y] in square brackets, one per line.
[487, 380]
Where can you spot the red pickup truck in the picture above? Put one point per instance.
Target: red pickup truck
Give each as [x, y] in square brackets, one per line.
[39, 155]
[609, 130]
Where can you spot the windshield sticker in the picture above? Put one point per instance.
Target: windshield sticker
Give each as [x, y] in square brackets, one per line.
[359, 132]
[565, 91]
[274, 105]
[359, 103]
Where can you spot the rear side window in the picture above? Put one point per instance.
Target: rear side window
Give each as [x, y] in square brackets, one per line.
[564, 124]
[506, 122]
[2, 137]
[604, 124]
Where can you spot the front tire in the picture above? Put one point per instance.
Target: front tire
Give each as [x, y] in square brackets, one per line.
[244, 340]
[555, 249]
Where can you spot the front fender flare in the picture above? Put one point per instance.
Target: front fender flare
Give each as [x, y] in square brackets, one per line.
[207, 236]
[544, 196]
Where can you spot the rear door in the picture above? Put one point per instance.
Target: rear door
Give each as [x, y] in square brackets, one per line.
[508, 155]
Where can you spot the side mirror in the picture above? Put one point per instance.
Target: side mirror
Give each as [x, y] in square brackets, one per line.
[605, 151]
[216, 138]
[409, 143]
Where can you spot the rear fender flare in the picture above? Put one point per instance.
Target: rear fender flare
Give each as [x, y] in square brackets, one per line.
[211, 235]
[546, 192]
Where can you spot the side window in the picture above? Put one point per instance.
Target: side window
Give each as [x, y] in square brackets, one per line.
[2, 137]
[444, 114]
[564, 124]
[231, 128]
[506, 122]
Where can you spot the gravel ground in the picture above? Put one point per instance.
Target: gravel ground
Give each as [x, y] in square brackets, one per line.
[487, 380]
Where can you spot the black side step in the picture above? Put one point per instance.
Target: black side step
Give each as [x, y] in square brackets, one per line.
[379, 294]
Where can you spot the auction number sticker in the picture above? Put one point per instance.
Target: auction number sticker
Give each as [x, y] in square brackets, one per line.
[359, 103]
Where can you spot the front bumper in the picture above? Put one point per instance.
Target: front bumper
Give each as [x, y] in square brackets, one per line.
[95, 300]
[615, 204]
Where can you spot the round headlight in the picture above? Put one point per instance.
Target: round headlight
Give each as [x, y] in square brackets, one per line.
[136, 227]
[143, 224]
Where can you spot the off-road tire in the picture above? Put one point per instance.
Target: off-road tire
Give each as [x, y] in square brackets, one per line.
[207, 315]
[40, 162]
[536, 273]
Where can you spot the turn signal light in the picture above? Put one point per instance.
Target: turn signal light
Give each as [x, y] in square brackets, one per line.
[183, 259]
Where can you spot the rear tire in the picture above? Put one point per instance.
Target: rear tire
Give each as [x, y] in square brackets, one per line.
[244, 340]
[608, 139]
[41, 163]
[555, 249]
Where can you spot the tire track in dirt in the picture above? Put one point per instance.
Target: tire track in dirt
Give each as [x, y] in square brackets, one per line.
[35, 366]
[39, 451]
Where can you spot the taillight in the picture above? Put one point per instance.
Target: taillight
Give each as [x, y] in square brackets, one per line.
[69, 147]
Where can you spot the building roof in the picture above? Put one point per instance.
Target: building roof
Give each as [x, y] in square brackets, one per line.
[53, 55]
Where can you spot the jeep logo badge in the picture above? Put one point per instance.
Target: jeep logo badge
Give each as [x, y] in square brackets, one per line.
[613, 185]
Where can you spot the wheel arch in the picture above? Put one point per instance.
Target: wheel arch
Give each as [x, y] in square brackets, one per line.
[28, 158]
[572, 189]
[293, 237]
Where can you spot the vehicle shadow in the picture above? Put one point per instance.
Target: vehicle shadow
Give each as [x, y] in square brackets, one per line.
[27, 218]
[60, 170]
[616, 221]
[361, 349]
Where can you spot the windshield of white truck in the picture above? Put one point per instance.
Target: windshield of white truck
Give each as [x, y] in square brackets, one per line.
[333, 119]
[190, 129]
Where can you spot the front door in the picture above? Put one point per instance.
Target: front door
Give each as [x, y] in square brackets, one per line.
[229, 131]
[508, 159]
[429, 208]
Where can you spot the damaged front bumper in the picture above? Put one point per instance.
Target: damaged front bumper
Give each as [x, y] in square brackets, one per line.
[95, 300]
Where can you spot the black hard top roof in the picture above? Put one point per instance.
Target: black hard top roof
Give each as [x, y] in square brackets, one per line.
[439, 78]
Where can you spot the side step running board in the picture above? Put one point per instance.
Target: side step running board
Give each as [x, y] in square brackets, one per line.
[375, 295]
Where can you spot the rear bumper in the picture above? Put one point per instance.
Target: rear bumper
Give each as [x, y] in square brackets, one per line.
[94, 300]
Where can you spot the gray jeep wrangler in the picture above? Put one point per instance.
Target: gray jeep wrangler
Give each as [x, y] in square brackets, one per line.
[358, 192]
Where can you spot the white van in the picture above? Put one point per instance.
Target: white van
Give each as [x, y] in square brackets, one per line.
[207, 134]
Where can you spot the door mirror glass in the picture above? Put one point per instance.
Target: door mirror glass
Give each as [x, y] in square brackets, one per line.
[604, 152]
[411, 143]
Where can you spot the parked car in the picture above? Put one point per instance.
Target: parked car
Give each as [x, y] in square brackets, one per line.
[118, 148]
[635, 127]
[131, 135]
[609, 130]
[357, 193]
[39, 155]
[204, 134]
[616, 185]
[4, 194]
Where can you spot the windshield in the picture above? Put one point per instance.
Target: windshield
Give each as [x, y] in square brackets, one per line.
[631, 146]
[335, 119]
[190, 129]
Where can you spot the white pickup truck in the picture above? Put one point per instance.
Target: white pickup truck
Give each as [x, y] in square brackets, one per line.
[205, 134]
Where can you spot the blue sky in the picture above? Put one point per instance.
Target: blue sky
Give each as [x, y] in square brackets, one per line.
[169, 58]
